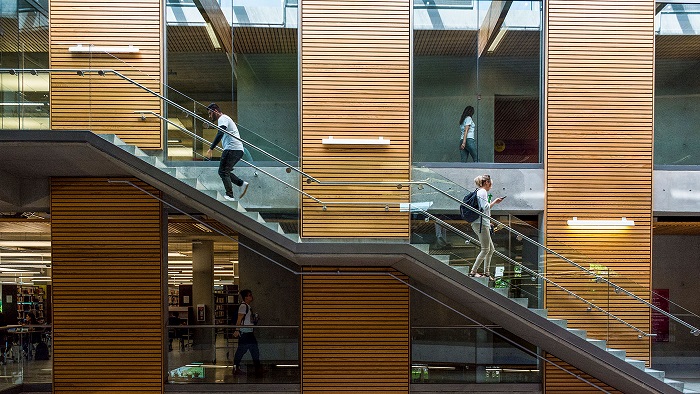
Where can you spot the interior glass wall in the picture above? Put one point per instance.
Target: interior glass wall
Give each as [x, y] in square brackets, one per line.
[208, 267]
[677, 84]
[484, 55]
[242, 56]
[24, 42]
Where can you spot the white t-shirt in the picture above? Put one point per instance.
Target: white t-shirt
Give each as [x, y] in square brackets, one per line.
[468, 121]
[483, 197]
[228, 142]
[246, 320]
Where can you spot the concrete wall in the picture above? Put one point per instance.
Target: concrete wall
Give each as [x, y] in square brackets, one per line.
[268, 102]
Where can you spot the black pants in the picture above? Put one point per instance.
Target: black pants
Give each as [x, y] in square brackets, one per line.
[229, 159]
[247, 342]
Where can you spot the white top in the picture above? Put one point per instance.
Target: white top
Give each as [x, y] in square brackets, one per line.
[246, 320]
[468, 121]
[228, 142]
[483, 197]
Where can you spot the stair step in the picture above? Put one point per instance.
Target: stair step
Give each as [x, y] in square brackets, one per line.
[113, 139]
[637, 363]
[675, 384]
[154, 161]
[560, 322]
[501, 290]
[444, 258]
[275, 226]
[541, 312]
[598, 342]
[655, 373]
[619, 353]
[577, 331]
[294, 237]
[255, 216]
[425, 248]
[211, 193]
[463, 269]
[522, 301]
[483, 280]
[233, 204]
[689, 391]
[191, 182]
[134, 150]
[173, 172]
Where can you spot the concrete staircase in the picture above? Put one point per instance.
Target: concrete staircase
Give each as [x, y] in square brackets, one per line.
[210, 186]
[621, 354]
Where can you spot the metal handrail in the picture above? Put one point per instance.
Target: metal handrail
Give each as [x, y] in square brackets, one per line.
[694, 330]
[103, 72]
[536, 274]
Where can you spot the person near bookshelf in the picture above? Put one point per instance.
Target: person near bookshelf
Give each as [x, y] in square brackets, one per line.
[244, 332]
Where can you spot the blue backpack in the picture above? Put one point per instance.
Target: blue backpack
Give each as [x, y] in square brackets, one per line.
[471, 200]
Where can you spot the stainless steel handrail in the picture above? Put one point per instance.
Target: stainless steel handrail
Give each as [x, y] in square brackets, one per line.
[103, 72]
[694, 330]
[536, 274]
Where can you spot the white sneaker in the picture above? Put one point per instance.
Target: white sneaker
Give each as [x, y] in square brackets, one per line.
[244, 189]
[229, 198]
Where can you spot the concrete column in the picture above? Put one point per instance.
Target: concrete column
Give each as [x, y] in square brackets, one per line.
[203, 292]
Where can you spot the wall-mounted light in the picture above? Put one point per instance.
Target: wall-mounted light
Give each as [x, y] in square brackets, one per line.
[80, 48]
[600, 223]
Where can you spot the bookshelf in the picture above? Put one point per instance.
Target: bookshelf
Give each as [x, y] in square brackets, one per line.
[31, 299]
[225, 307]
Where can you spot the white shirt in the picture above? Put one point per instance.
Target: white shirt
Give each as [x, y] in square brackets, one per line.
[484, 204]
[468, 121]
[228, 142]
[246, 320]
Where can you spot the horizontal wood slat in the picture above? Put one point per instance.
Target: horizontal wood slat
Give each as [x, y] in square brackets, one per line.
[355, 330]
[598, 164]
[106, 251]
[106, 105]
[355, 83]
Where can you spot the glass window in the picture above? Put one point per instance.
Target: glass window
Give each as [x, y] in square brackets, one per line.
[677, 84]
[478, 64]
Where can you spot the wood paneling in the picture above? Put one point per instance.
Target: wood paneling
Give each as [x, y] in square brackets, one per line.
[355, 83]
[355, 331]
[107, 104]
[599, 136]
[106, 251]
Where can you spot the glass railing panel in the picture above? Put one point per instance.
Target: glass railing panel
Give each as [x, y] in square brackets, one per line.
[25, 354]
[24, 97]
[471, 354]
[572, 278]
[194, 359]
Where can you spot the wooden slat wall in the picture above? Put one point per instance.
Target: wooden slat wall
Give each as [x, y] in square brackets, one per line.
[355, 83]
[108, 318]
[355, 331]
[107, 104]
[599, 87]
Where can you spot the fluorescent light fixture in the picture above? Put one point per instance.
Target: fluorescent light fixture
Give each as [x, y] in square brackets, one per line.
[25, 254]
[22, 104]
[80, 48]
[600, 223]
[355, 141]
[176, 254]
[26, 244]
[497, 40]
[212, 36]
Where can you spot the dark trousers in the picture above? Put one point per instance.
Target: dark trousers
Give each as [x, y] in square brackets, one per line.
[247, 342]
[229, 159]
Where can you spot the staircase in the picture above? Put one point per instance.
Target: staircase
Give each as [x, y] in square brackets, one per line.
[211, 186]
[504, 291]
